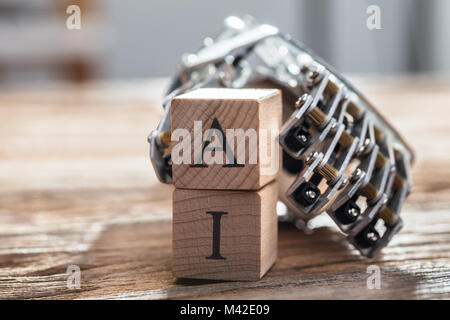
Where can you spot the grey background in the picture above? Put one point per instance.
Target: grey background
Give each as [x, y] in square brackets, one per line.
[138, 38]
[415, 34]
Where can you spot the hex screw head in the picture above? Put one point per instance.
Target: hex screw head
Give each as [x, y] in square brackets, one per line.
[372, 236]
[356, 175]
[353, 212]
[301, 101]
[311, 157]
[311, 194]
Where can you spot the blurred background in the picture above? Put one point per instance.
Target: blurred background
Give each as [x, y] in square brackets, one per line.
[139, 39]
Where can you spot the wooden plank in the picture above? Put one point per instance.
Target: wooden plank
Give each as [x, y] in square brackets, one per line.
[76, 187]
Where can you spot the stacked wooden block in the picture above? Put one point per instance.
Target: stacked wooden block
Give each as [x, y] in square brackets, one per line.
[225, 160]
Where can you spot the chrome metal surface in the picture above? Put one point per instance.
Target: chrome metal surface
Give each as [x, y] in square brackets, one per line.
[335, 126]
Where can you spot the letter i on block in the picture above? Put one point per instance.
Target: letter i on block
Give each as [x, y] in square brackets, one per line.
[224, 235]
[225, 138]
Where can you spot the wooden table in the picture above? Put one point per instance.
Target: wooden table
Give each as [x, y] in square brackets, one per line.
[77, 188]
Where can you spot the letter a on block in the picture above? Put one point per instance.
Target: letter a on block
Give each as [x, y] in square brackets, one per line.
[225, 125]
[216, 131]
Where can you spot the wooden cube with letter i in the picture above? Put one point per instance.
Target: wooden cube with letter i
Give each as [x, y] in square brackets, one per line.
[224, 235]
[225, 158]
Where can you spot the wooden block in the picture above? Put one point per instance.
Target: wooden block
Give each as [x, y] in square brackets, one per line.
[224, 235]
[213, 162]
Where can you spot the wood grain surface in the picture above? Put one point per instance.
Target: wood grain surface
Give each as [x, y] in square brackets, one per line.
[246, 236]
[77, 188]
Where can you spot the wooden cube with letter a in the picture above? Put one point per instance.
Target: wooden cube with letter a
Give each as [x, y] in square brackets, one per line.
[225, 138]
[224, 235]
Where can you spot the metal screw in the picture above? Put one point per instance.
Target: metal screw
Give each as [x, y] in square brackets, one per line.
[334, 126]
[312, 156]
[356, 175]
[364, 146]
[303, 138]
[207, 42]
[311, 194]
[189, 58]
[372, 236]
[353, 212]
[302, 100]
